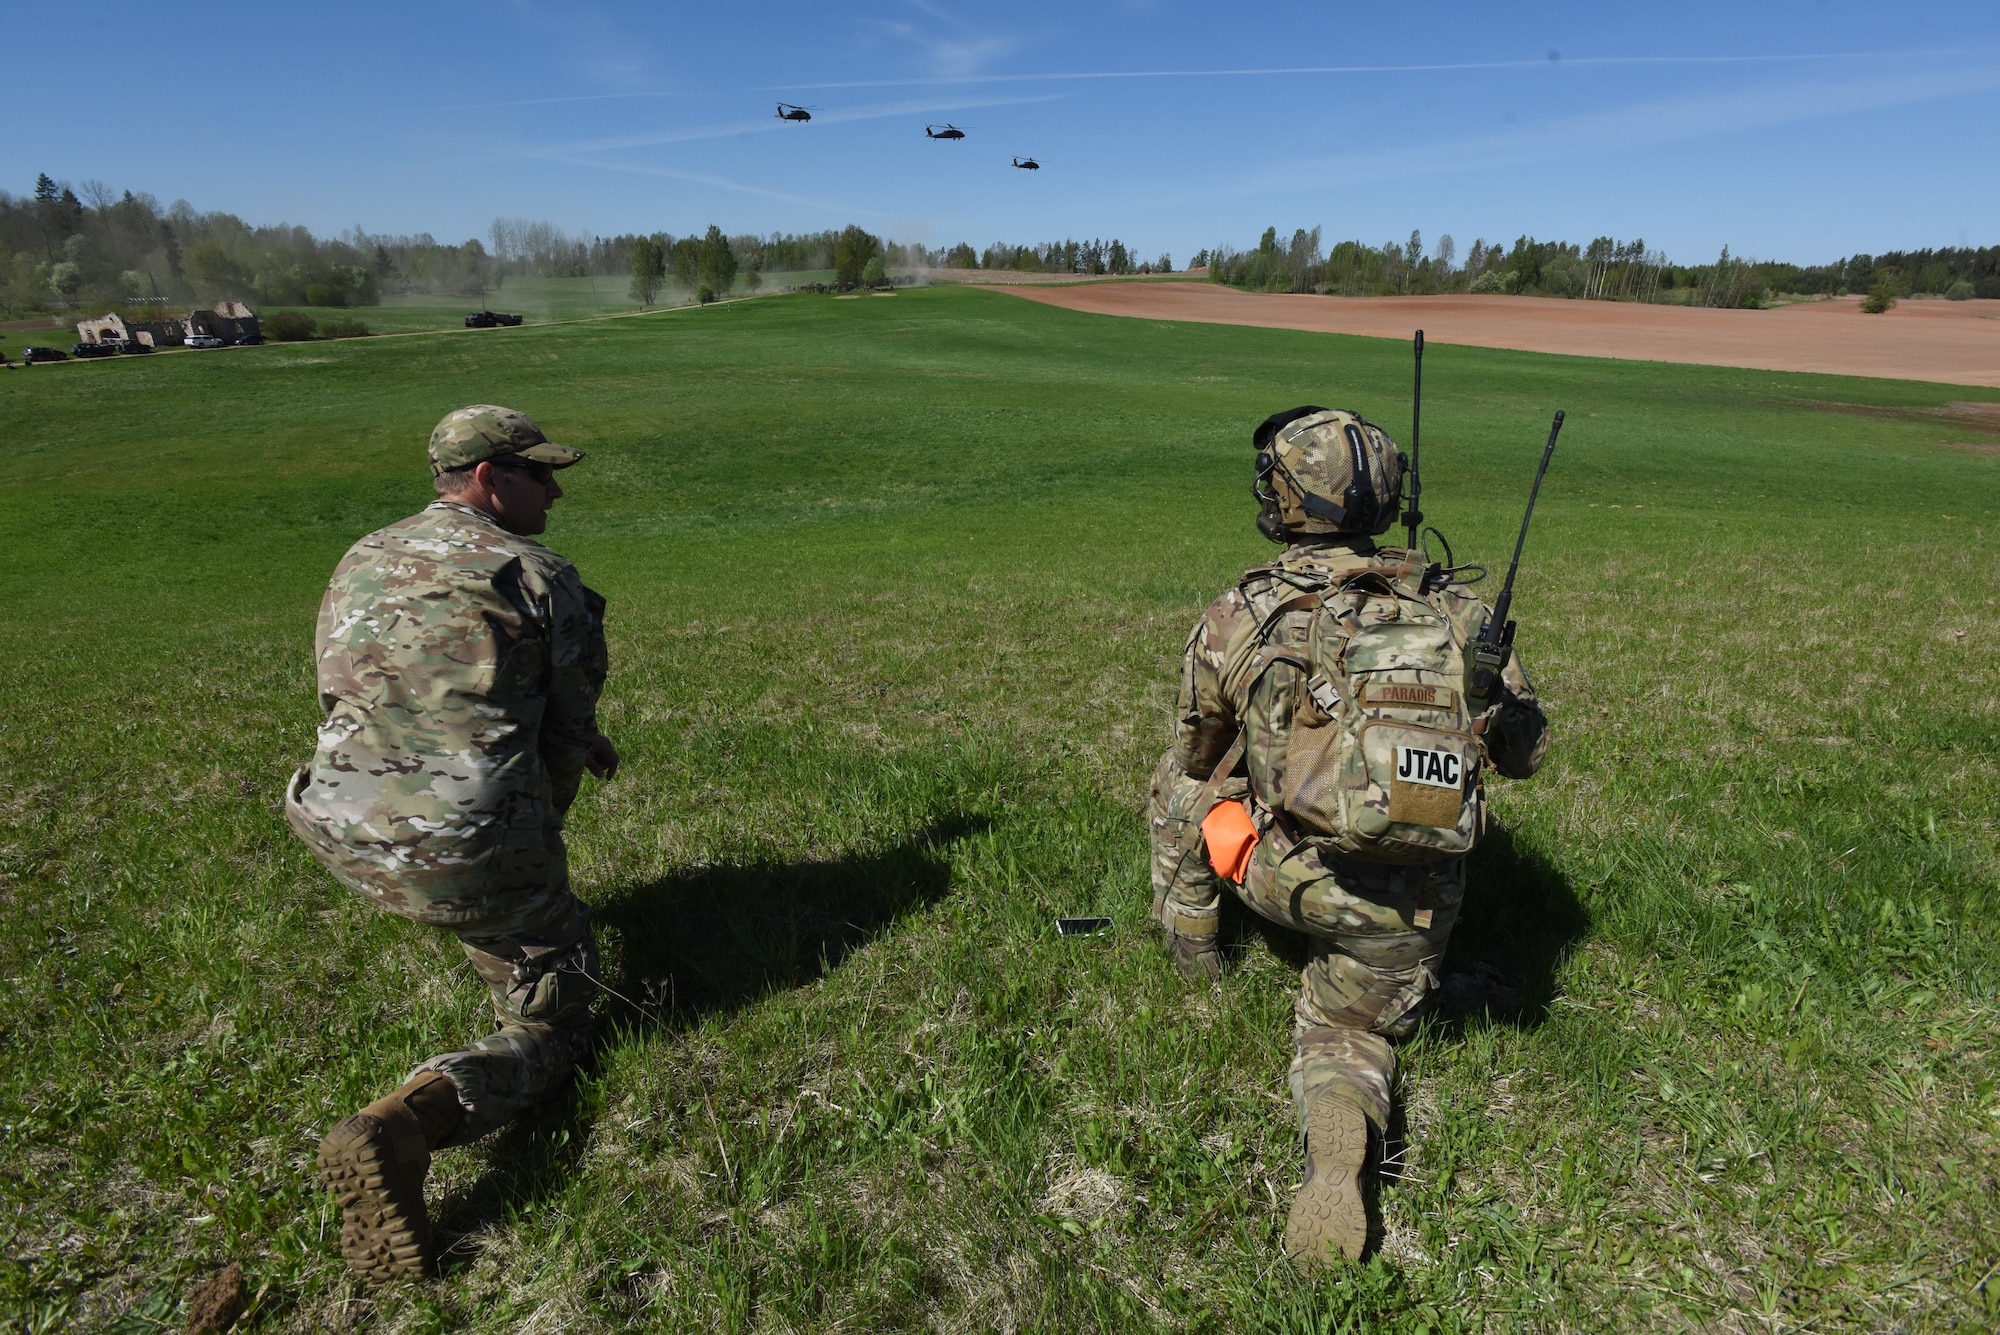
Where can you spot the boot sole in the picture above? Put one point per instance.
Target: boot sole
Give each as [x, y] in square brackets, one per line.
[1329, 1211]
[385, 1233]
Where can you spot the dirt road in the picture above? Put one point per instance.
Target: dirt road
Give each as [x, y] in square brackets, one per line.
[1955, 342]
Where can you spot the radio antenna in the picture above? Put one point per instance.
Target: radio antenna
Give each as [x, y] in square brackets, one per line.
[1488, 655]
[1414, 516]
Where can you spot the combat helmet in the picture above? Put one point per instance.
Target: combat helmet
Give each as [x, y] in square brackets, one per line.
[1322, 471]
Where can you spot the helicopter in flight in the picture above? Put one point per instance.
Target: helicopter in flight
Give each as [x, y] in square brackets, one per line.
[1027, 164]
[789, 111]
[949, 131]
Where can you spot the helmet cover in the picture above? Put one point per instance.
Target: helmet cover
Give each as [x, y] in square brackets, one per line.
[1323, 471]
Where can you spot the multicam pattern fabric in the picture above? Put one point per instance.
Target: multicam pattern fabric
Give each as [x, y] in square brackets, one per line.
[1319, 458]
[460, 666]
[541, 978]
[1378, 930]
[488, 431]
[1386, 655]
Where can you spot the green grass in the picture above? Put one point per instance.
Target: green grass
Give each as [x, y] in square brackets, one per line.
[897, 589]
[538, 300]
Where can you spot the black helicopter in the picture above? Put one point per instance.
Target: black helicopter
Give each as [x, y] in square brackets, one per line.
[1027, 164]
[788, 111]
[949, 131]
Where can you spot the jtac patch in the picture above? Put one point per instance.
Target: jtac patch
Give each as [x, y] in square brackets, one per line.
[1410, 695]
[1428, 787]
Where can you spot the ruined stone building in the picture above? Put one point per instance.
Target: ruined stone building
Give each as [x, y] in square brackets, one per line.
[114, 327]
[226, 320]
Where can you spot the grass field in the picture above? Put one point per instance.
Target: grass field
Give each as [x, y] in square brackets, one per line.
[538, 300]
[897, 588]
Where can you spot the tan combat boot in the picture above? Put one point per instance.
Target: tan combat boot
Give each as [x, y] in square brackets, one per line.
[1330, 1211]
[375, 1162]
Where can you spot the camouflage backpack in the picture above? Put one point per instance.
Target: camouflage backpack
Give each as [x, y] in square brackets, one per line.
[1381, 760]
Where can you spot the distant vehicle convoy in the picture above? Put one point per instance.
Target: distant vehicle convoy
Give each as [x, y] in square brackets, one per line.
[490, 320]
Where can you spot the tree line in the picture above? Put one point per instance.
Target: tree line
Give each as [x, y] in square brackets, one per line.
[1067, 256]
[94, 248]
[64, 248]
[1605, 269]
[710, 266]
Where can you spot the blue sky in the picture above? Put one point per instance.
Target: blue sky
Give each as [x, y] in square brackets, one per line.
[1799, 131]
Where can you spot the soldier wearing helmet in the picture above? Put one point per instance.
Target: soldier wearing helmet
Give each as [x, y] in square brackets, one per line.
[1327, 766]
[460, 663]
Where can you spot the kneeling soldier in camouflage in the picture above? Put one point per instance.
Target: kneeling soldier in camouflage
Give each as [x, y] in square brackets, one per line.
[460, 663]
[1327, 762]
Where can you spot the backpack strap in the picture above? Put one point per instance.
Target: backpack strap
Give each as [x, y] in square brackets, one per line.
[1237, 684]
[1304, 602]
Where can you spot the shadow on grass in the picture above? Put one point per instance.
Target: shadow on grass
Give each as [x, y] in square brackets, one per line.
[688, 946]
[1520, 919]
[685, 947]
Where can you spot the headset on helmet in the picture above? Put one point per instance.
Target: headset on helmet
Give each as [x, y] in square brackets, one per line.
[1325, 471]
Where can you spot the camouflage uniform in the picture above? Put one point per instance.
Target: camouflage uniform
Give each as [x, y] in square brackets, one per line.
[460, 667]
[1376, 931]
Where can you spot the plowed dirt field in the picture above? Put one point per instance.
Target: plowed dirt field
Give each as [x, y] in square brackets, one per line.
[1953, 342]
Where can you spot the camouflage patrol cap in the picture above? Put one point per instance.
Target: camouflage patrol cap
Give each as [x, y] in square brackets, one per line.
[1323, 471]
[485, 431]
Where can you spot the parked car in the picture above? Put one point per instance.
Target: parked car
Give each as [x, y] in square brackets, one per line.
[246, 340]
[32, 355]
[203, 341]
[131, 345]
[490, 319]
[92, 350]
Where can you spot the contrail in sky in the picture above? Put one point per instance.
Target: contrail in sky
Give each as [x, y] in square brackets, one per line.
[700, 178]
[1616, 128]
[1552, 59]
[944, 81]
[770, 124]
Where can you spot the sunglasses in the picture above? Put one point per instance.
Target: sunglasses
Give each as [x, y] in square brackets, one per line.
[542, 473]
